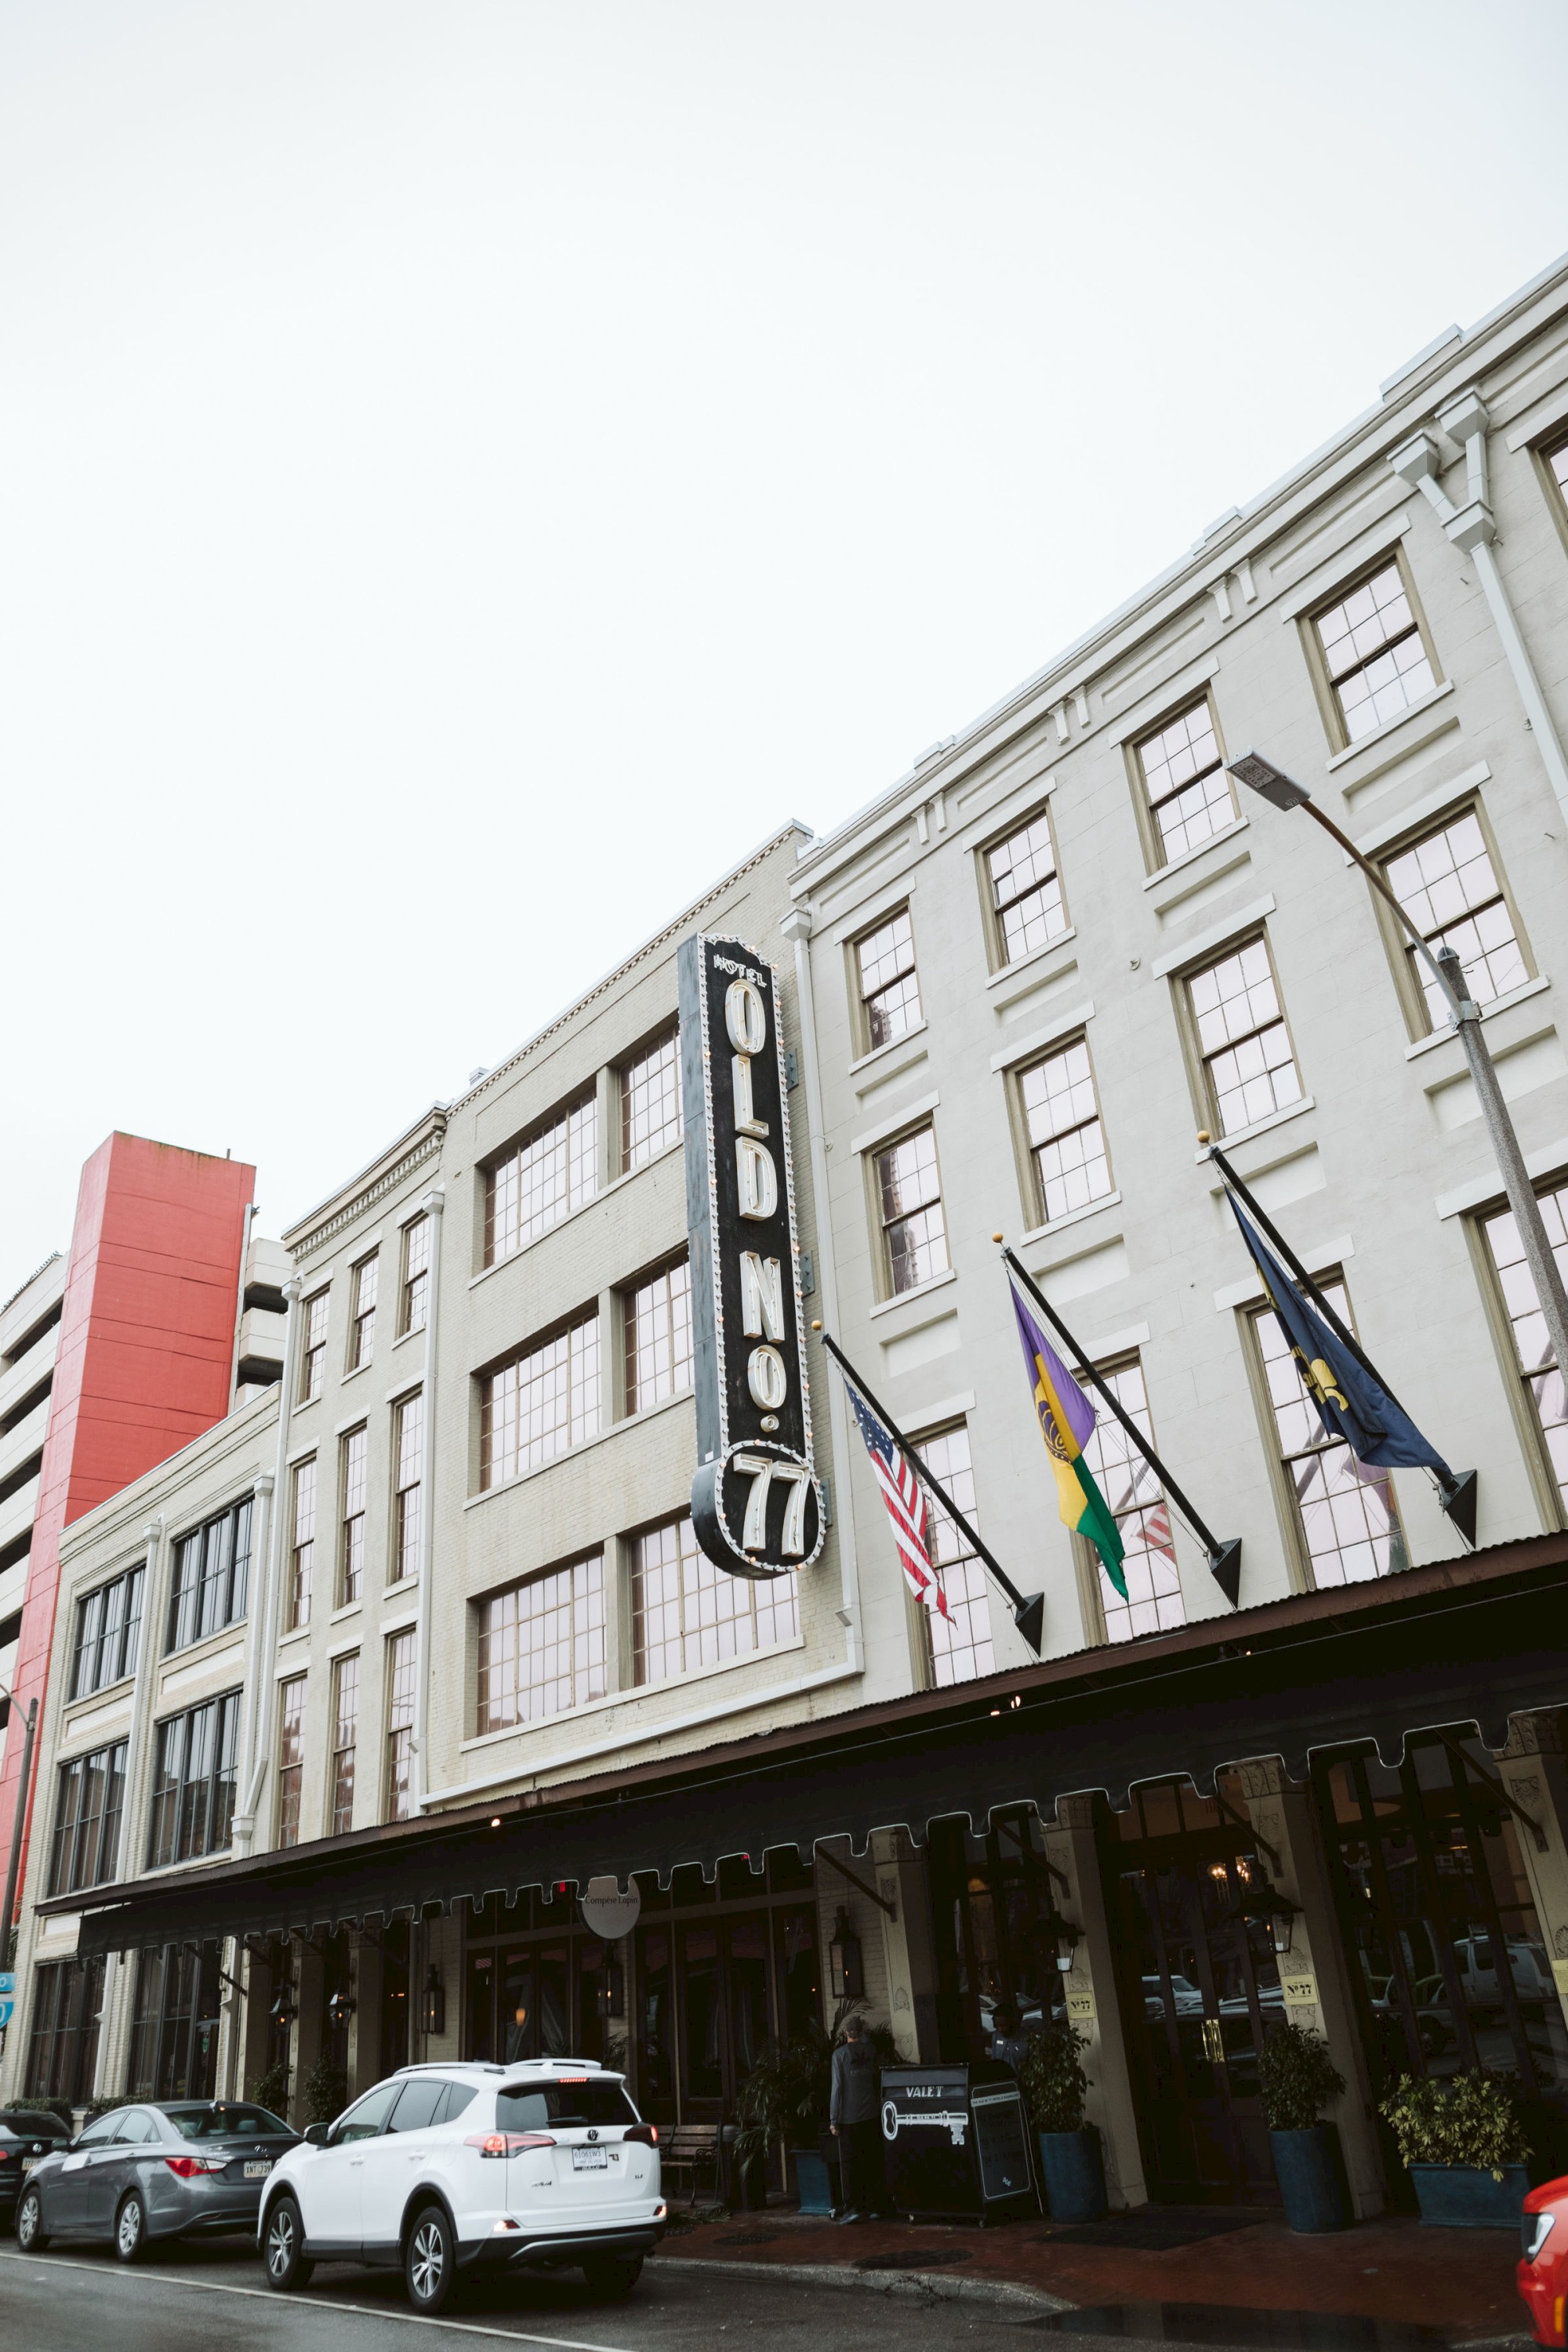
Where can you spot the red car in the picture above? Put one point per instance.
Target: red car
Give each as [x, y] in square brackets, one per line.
[1543, 2274]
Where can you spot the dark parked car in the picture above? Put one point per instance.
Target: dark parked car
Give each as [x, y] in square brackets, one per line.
[179, 2168]
[25, 2138]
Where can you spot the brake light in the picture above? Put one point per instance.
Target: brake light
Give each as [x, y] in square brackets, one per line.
[571, 2078]
[648, 2134]
[506, 2143]
[186, 2167]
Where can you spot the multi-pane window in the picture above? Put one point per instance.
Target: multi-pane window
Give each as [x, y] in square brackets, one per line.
[890, 989]
[1249, 1069]
[1543, 1375]
[1346, 1510]
[686, 1613]
[1448, 887]
[1190, 797]
[650, 1102]
[909, 1204]
[212, 1577]
[62, 2049]
[361, 1329]
[1067, 1142]
[351, 1538]
[961, 1642]
[541, 1646]
[1025, 890]
[542, 1180]
[302, 1551]
[345, 1735]
[1376, 662]
[400, 1685]
[658, 1336]
[313, 1346]
[414, 1291]
[536, 1407]
[88, 1805]
[290, 1757]
[1143, 1520]
[1557, 462]
[108, 1624]
[408, 1488]
[193, 1782]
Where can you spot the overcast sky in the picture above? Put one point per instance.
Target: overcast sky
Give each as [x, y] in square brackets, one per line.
[469, 471]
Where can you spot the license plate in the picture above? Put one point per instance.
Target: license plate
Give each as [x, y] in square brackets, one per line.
[590, 2160]
[31, 2163]
[257, 2171]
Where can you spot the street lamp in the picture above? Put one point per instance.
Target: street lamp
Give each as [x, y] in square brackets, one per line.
[1274, 785]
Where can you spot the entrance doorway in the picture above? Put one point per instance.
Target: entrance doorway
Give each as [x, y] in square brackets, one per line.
[1197, 1986]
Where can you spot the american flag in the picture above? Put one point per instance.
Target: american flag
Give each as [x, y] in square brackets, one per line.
[905, 1499]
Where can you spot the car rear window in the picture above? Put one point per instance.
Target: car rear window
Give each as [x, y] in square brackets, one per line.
[532, 2108]
[34, 2126]
[224, 2122]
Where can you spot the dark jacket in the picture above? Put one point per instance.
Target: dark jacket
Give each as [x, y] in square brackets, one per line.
[857, 2088]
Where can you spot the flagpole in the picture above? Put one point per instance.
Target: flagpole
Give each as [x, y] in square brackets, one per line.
[1223, 1558]
[1458, 1491]
[1028, 1615]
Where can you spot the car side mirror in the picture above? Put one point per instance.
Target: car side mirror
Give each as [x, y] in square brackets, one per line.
[319, 2134]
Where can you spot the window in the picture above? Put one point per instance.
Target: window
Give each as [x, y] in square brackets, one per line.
[212, 1577]
[1249, 1069]
[1552, 461]
[1143, 1522]
[290, 1757]
[1542, 1376]
[400, 1682]
[658, 1336]
[350, 1540]
[650, 1102]
[1026, 892]
[909, 1201]
[408, 1496]
[192, 1784]
[536, 1407]
[688, 1612]
[1376, 662]
[90, 1799]
[413, 1298]
[1183, 768]
[345, 1735]
[542, 1180]
[1066, 1144]
[303, 1554]
[541, 1646]
[108, 1624]
[176, 2011]
[1345, 1510]
[62, 2048]
[1448, 887]
[961, 1643]
[889, 990]
[313, 1346]
[362, 1330]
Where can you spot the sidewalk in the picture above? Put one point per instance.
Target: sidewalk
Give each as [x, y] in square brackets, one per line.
[1457, 2281]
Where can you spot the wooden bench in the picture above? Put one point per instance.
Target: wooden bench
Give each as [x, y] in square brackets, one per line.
[684, 2147]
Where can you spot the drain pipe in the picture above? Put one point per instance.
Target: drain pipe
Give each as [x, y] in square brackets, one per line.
[264, 1620]
[1473, 530]
[433, 1204]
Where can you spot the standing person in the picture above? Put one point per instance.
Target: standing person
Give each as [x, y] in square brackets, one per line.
[855, 2117]
[1008, 2042]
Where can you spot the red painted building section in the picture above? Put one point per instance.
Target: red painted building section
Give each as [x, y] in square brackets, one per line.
[145, 1355]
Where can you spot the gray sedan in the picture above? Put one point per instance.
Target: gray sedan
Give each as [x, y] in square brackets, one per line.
[177, 2168]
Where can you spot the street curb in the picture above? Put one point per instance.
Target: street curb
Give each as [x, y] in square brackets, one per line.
[924, 2286]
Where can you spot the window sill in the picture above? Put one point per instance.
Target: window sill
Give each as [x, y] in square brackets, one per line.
[1519, 996]
[920, 1290]
[1379, 734]
[1035, 955]
[349, 1609]
[1190, 856]
[879, 1052]
[1073, 1217]
[633, 1692]
[295, 1633]
[584, 1445]
[1258, 1126]
[106, 1695]
[417, 1333]
[354, 1371]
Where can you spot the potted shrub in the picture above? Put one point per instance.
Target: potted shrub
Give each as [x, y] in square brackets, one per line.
[784, 2099]
[324, 2094]
[1071, 2166]
[1464, 2147]
[270, 2089]
[1297, 2078]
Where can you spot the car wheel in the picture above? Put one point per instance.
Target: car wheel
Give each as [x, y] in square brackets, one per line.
[31, 2235]
[430, 2261]
[609, 2277]
[130, 2229]
[283, 2248]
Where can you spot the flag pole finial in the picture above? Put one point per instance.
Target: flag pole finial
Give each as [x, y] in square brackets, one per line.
[998, 1237]
[817, 1327]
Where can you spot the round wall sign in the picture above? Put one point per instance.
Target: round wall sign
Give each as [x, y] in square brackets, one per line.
[609, 1911]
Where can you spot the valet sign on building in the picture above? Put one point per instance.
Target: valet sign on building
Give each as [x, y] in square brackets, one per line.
[756, 1507]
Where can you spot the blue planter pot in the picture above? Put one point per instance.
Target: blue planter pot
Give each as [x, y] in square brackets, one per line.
[1466, 2197]
[1308, 2168]
[813, 2181]
[1074, 2175]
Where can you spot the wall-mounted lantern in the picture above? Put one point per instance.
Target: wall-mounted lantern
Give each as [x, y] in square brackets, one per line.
[1260, 1904]
[339, 2008]
[283, 2010]
[433, 2003]
[846, 1973]
[1064, 1934]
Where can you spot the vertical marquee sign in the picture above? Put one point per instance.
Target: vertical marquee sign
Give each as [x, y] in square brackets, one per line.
[756, 1507]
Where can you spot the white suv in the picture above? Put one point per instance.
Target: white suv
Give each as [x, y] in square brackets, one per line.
[441, 2168]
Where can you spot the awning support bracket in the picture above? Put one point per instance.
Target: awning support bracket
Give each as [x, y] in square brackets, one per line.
[868, 1892]
[1503, 1795]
